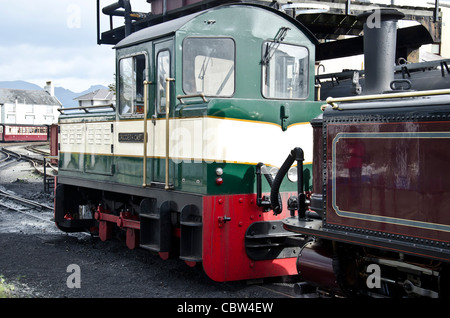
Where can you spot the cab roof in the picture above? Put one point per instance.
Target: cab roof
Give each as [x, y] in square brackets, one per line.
[170, 27]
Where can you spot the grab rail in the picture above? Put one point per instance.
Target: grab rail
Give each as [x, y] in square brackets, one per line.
[144, 174]
[333, 101]
[201, 95]
[86, 108]
[168, 80]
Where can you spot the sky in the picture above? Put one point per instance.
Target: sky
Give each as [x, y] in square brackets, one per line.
[56, 40]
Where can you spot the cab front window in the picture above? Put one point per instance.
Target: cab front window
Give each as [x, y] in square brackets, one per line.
[209, 66]
[285, 71]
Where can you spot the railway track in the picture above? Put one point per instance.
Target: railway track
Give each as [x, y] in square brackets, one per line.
[25, 202]
[38, 164]
[8, 158]
[35, 148]
[43, 213]
[24, 206]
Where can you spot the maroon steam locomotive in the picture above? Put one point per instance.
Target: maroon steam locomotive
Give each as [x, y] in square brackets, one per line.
[377, 223]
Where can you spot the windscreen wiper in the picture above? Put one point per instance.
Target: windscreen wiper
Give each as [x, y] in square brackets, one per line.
[273, 46]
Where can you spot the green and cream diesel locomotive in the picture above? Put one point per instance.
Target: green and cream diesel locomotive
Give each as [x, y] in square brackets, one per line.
[206, 104]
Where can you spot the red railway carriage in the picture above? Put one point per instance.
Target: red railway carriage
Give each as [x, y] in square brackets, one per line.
[17, 132]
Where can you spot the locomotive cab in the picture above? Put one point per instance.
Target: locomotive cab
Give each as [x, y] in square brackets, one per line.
[201, 100]
[214, 83]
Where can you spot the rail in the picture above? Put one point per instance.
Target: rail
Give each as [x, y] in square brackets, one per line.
[201, 95]
[9, 155]
[87, 108]
[33, 148]
[168, 80]
[144, 174]
[333, 101]
[6, 154]
[34, 161]
[27, 202]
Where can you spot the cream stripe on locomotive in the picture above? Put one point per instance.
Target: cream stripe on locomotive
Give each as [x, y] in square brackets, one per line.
[191, 140]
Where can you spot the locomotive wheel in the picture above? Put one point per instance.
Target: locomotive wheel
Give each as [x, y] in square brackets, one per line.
[347, 268]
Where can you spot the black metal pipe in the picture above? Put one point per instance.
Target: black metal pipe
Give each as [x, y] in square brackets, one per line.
[98, 22]
[120, 4]
[275, 191]
[436, 11]
[300, 157]
[258, 184]
[380, 42]
[112, 10]
[260, 201]
[295, 155]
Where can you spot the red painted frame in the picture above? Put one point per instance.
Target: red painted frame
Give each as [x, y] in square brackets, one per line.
[224, 255]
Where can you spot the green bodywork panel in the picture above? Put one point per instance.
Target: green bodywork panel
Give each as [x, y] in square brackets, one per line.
[249, 27]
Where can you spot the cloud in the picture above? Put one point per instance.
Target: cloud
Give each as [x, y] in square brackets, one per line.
[74, 68]
[53, 40]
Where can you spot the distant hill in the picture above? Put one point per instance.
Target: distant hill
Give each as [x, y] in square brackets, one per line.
[19, 85]
[64, 95]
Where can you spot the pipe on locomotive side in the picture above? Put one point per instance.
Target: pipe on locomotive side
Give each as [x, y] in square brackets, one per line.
[316, 265]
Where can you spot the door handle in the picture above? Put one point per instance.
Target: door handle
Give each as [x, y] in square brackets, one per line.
[284, 115]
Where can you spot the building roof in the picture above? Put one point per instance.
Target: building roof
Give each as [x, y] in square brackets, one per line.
[99, 94]
[29, 97]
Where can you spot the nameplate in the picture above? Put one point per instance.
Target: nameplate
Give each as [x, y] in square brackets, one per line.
[131, 137]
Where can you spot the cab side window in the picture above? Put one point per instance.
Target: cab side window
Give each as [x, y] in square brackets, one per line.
[132, 74]
[163, 61]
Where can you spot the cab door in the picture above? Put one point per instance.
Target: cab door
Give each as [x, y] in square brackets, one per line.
[162, 166]
[131, 148]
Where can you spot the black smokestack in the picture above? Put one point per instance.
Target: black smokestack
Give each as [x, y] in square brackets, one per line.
[380, 43]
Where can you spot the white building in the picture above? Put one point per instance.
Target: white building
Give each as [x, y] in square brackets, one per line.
[97, 98]
[33, 107]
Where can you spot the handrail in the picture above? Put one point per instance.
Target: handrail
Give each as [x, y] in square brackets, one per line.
[144, 174]
[168, 80]
[332, 101]
[86, 108]
[180, 97]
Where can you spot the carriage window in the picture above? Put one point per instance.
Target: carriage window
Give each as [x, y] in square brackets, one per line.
[131, 85]
[285, 71]
[208, 66]
[163, 73]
